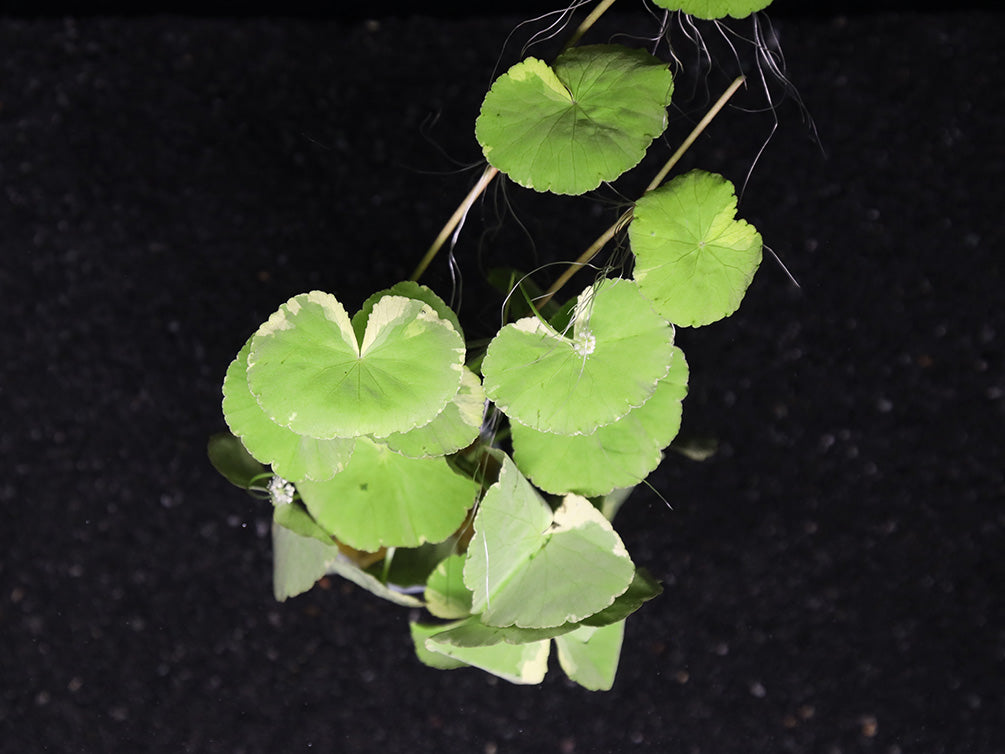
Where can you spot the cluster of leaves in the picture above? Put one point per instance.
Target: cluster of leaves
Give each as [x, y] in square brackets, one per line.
[376, 435]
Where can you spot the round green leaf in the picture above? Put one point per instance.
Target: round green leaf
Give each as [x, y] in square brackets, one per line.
[309, 373]
[291, 455]
[693, 260]
[711, 9]
[588, 119]
[383, 499]
[567, 386]
[621, 454]
[454, 428]
[533, 569]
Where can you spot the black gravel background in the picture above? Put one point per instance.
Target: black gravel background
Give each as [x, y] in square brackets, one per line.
[834, 576]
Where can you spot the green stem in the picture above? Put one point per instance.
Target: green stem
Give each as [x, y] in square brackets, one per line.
[586, 256]
[626, 218]
[454, 221]
[588, 22]
[386, 569]
[696, 132]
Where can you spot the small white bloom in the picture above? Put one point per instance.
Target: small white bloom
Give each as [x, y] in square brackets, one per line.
[280, 491]
[585, 343]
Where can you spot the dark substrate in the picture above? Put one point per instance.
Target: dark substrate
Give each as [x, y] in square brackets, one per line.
[833, 576]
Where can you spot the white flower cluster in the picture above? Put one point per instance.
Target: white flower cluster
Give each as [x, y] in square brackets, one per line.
[280, 491]
[585, 344]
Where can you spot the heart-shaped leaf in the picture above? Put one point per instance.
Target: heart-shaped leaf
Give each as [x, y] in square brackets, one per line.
[291, 455]
[383, 499]
[309, 373]
[531, 568]
[588, 119]
[711, 9]
[554, 383]
[621, 454]
[693, 260]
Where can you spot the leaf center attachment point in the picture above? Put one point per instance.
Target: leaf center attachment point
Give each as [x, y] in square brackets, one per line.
[585, 344]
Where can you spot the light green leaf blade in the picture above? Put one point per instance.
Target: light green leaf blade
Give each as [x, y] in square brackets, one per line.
[422, 631]
[533, 569]
[516, 663]
[454, 428]
[712, 9]
[446, 595]
[291, 455]
[383, 499]
[588, 119]
[589, 656]
[568, 386]
[308, 372]
[229, 456]
[301, 552]
[408, 289]
[693, 260]
[621, 454]
[515, 519]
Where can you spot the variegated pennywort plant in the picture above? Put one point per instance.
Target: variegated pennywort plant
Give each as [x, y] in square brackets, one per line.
[381, 437]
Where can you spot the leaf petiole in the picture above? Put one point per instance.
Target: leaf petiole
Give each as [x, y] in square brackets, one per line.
[455, 219]
[588, 22]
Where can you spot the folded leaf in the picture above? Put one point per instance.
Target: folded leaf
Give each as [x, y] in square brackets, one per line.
[533, 569]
